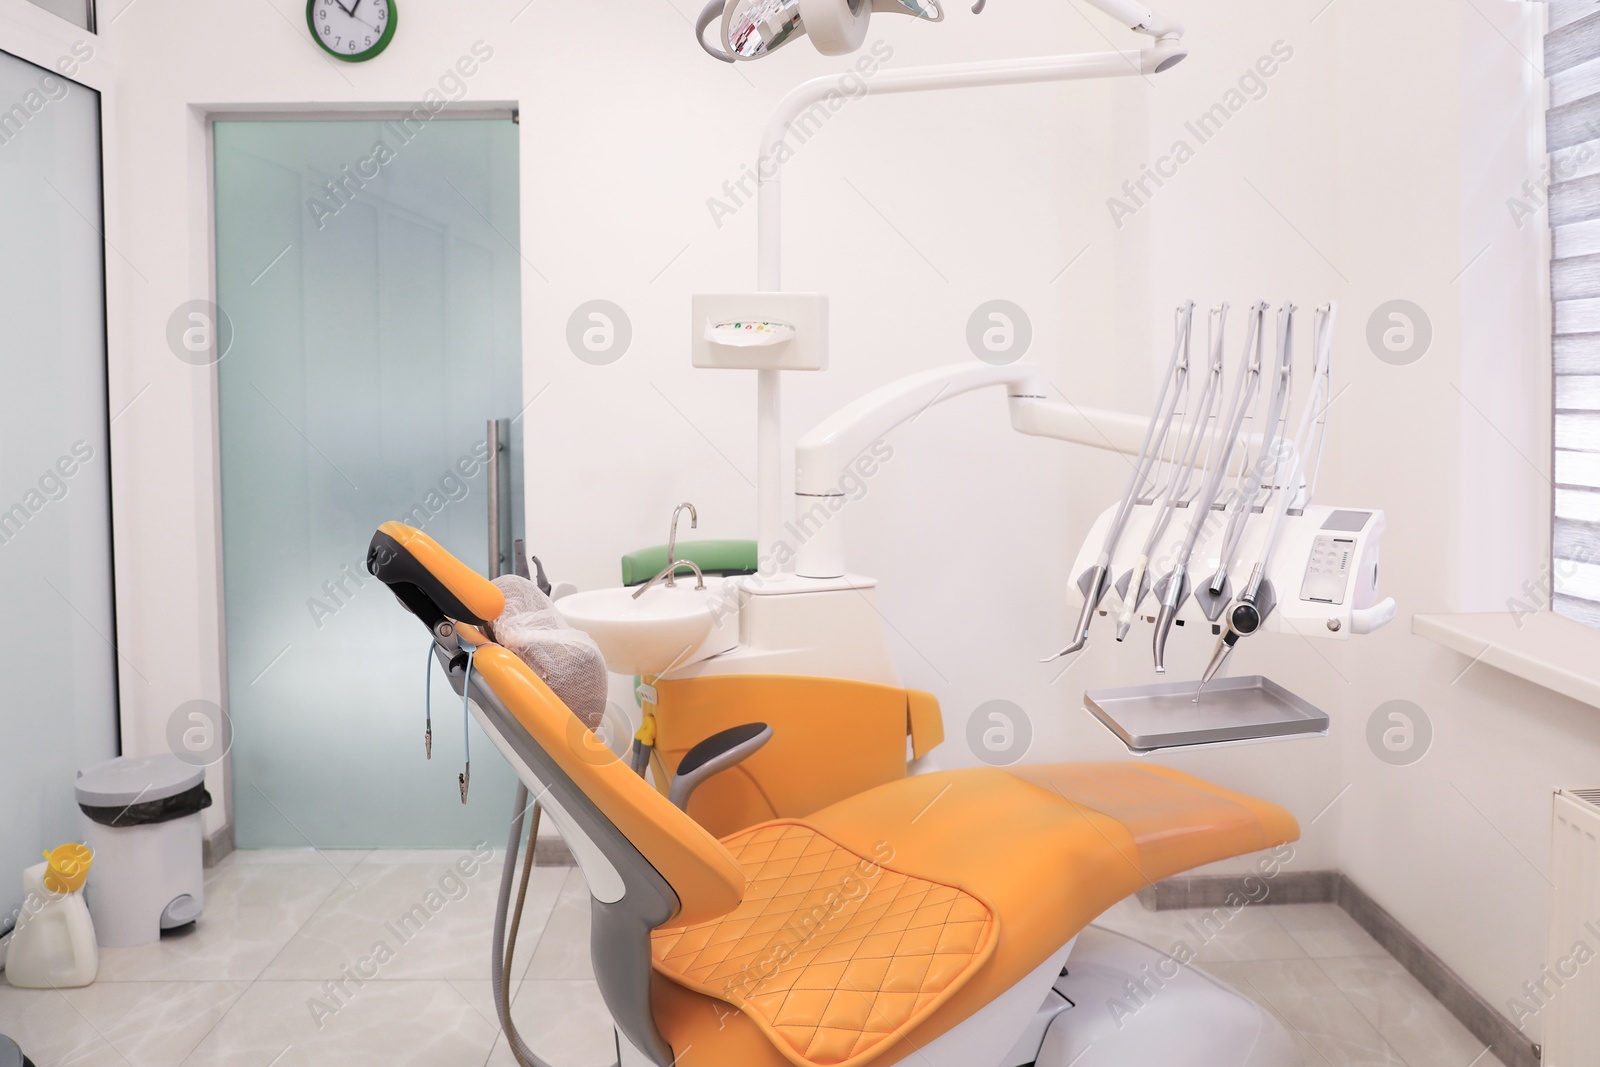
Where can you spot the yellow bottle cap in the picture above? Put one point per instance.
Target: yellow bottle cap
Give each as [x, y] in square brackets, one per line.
[69, 868]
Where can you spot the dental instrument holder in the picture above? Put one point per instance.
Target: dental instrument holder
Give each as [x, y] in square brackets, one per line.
[1312, 571]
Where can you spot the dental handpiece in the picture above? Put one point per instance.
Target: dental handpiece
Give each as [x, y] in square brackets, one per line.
[1246, 617]
[1255, 480]
[1154, 441]
[1177, 578]
[1164, 618]
[1184, 461]
[1244, 620]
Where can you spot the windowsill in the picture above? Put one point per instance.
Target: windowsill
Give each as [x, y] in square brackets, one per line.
[1544, 648]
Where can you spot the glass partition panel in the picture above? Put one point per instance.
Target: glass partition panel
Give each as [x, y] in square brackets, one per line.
[59, 707]
[371, 280]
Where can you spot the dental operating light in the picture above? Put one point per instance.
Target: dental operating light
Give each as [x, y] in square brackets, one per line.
[751, 29]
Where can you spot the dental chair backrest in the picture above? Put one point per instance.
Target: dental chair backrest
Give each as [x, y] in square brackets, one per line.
[647, 863]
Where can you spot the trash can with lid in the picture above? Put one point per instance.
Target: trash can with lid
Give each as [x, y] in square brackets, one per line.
[142, 819]
[11, 1055]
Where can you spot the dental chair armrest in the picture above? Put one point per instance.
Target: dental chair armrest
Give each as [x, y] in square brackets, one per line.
[714, 755]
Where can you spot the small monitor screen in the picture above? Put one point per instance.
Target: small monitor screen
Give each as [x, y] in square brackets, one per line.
[1347, 521]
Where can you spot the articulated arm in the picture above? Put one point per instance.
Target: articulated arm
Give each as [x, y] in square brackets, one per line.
[824, 452]
[833, 445]
[823, 455]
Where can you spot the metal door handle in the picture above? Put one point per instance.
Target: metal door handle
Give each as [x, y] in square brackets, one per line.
[498, 434]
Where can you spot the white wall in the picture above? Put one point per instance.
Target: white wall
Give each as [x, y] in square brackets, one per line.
[1382, 152]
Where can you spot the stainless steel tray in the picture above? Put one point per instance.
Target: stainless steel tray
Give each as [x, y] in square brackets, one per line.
[1253, 708]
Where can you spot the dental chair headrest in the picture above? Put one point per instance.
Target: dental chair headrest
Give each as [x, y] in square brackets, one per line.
[567, 659]
[429, 581]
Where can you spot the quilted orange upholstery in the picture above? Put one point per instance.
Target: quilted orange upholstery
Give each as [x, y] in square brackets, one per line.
[832, 953]
[1045, 856]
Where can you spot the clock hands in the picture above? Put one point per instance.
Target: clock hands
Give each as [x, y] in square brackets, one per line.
[364, 22]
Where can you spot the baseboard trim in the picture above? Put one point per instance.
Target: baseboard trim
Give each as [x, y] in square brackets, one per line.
[1217, 890]
[551, 851]
[1482, 1019]
[216, 847]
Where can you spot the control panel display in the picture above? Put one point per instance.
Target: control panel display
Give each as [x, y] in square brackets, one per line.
[1328, 572]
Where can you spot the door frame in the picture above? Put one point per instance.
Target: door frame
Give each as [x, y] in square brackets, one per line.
[45, 40]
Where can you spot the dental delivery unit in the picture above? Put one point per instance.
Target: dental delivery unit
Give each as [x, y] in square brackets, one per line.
[780, 874]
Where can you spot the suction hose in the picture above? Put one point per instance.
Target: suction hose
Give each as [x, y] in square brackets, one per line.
[501, 951]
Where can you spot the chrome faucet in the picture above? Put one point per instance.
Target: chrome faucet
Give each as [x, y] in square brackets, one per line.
[665, 578]
[672, 542]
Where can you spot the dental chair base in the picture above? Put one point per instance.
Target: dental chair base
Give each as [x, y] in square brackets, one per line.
[1109, 1001]
[1124, 1004]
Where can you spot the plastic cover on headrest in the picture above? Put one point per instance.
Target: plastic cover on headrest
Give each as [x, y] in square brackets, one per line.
[567, 659]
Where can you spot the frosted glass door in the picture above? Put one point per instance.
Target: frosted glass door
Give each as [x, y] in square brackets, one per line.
[370, 278]
[58, 710]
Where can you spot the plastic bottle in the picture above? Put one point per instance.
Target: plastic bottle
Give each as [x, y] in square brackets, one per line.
[54, 946]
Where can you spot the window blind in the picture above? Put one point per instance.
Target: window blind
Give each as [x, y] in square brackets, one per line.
[1572, 130]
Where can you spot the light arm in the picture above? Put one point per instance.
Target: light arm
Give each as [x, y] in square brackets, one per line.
[1140, 18]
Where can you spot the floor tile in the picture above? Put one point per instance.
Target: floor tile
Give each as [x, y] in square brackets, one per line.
[562, 950]
[48, 1029]
[340, 859]
[304, 1024]
[564, 1023]
[1326, 931]
[1237, 974]
[152, 1023]
[251, 912]
[297, 920]
[115, 1024]
[400, 921]
[1307, 1001]
[432, 856]
[1408, 1017]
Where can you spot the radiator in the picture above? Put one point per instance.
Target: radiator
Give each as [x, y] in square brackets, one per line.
[1572, 955]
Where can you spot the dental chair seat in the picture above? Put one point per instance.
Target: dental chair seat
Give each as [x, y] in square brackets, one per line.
[879, 923]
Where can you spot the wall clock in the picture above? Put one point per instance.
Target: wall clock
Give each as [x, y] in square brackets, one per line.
[352, 30]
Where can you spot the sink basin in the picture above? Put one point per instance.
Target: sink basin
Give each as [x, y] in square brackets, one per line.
[664, 629]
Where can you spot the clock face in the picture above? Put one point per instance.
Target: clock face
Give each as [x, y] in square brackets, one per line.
[352, 30]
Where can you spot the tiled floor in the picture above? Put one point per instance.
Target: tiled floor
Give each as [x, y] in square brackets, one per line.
[251, 986]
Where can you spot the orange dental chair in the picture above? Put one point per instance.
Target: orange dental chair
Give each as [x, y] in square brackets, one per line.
[941, 919]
